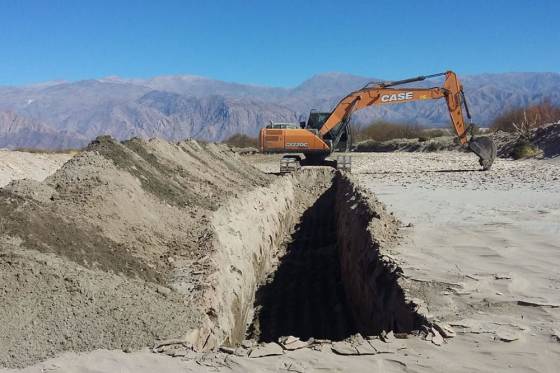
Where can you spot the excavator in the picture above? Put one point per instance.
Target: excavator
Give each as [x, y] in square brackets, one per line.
[324, 133]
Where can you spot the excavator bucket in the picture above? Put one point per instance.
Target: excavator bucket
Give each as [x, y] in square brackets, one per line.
[485, 148]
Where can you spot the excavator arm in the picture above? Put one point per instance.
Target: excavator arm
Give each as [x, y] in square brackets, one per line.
[386, 93]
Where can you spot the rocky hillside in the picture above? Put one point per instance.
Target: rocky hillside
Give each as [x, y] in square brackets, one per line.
[21, 132]
[68, 114]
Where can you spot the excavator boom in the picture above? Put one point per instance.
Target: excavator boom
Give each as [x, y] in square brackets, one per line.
[385, 94]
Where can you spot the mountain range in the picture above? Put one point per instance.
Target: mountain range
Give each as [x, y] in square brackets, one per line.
[62, 114]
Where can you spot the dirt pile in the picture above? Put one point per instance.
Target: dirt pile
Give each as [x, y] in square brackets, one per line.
[505, 143]
[547, 139]
[545, 142]
[250, 232]
[90, 257]
[143, 241]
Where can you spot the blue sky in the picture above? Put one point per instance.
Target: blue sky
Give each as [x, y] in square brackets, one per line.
[278, 43]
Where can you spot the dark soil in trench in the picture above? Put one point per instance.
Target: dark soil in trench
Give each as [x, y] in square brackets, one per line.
[305, 297]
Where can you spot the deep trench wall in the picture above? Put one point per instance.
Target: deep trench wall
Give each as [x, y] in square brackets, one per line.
[250, 231]
[371, 279]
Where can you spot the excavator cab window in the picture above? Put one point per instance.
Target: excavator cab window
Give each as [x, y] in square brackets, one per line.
[316, 120]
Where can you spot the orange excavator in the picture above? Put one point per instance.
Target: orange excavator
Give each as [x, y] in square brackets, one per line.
[324, 133]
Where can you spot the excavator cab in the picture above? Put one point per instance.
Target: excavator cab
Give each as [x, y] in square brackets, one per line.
[316, 120]
[339, 137]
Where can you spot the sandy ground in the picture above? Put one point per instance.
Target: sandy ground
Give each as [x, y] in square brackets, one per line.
[488, 242]
[22, 165]
[483, 249]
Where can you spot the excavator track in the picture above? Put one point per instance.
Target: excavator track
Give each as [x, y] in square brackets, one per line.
[344, 163]
[292, 163]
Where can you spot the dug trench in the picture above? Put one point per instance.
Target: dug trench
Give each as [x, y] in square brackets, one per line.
[150, 243]
[325, 275]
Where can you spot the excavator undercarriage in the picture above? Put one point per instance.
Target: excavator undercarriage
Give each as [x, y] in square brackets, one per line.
[290, 162]
[325, 133]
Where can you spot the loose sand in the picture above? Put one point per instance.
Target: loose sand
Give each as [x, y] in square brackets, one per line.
[479, 251]
[147, 243]
[111, 250]
[24, 165]
[488, 244]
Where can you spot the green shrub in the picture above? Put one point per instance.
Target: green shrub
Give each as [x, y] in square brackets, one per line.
[524, 150]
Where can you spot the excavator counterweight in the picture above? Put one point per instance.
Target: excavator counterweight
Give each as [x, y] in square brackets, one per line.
[324, 133]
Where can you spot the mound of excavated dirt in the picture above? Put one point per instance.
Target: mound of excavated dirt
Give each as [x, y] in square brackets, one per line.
[147, 243]
[547, 139]
[111, 250]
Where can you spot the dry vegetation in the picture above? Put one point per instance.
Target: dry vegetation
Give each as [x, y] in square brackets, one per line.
[47, 151]
[522, 120]
[519, 120]
[384, 131]
[239, 140]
